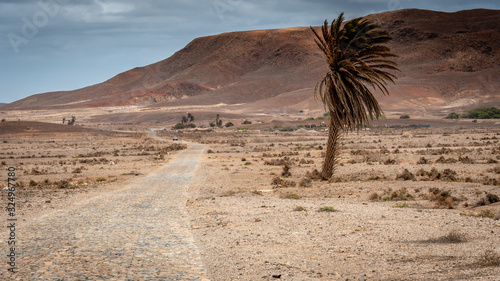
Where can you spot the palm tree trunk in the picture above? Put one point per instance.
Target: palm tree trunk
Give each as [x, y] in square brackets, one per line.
[332, 151]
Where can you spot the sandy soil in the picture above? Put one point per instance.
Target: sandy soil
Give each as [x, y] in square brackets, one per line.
[365, 224]
[253, 221]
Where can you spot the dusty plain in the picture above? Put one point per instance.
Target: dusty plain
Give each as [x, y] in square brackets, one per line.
[406, 203]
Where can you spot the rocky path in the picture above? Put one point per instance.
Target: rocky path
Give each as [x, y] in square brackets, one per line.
[140, 232]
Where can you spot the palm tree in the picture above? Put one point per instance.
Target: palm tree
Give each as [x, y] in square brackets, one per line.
[357, 57]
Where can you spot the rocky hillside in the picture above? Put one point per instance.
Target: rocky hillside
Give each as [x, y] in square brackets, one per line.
[447, 61]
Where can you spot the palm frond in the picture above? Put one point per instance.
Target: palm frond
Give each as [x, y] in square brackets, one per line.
[357, 57]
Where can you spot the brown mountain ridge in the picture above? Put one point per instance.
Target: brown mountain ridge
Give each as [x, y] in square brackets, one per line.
[448, 61]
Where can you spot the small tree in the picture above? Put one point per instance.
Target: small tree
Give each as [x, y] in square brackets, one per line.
[190, 117]
[72, 121]
[218, 121]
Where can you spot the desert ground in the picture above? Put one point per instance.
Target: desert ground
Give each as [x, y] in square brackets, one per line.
[406, 202]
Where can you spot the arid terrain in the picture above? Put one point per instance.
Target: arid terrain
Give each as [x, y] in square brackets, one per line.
[406, 203]
[448, 62]
[413, 198]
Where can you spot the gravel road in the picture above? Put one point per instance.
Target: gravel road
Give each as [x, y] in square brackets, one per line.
[139, 232]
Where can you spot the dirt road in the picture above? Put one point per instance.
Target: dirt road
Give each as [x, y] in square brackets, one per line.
[139, 232]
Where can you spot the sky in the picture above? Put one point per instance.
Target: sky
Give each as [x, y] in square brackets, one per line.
[58, 45]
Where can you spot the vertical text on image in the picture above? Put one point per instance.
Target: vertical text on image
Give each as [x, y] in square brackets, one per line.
[11, 219]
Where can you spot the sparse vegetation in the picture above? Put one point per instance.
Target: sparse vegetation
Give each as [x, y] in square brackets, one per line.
[454, 162]
[300, 209]
[374, 196]
[292, 196]
[483, 113]
[489, 258]
[327, 209]
[452, 237]
[401, 205]
[452, 115]
[405, 175]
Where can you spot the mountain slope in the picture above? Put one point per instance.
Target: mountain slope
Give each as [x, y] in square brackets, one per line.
[447, 60]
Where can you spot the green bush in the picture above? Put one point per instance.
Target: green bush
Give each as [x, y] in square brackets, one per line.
[404, 116]
[229, 124]
[483, 113]
[452, 115]
[179, 126]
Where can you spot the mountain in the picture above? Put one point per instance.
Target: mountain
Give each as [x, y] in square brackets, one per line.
[2, 104]
[447, 61]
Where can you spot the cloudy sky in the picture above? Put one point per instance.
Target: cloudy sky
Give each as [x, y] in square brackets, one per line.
[53, 45]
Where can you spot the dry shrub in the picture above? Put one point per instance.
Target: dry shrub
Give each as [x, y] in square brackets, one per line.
[360, 152]
[449, 175]
[421, 172]
[405, 175]
[490, 181]
[492, 198]
[305, 183]
[434, 174]
[466, 160]
[77, 171]
[489, 258]
[443, 198]
[401, 194]
[304, 161]
[453, 236]
[489, 199]
[228, 193]
[300, 209]
[423, 161]
[292, 196]
[313, 175]
[442, 160]
[390, 161]
[495, 170]
[280, 183]
[286, 170]
[374, 196]
[278, 162]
